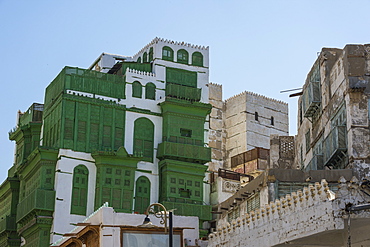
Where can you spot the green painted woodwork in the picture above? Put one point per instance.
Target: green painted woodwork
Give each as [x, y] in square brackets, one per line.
[144, 139]
[179, 114]
[151, 54]
[146, 67]
[79, 190]
[142, 194]
[39, 199]
[137, 89]
[182, 56]
[150, 91]
[167, 53]
[27, 133]
[186, 152]
[9, 196]
[38, 235]
[181, 77]
[183, 92]
[84, 126]
[82, 80]
[115, 179]
[197, 59]
[202, 211]
[181, 181]
[138, 60]
[145, 57]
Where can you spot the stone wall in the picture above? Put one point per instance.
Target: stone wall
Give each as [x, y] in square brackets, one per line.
[250, 119]
[314, 216]
[216, 130]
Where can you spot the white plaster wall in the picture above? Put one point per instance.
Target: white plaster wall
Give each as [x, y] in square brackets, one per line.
[67, 161]
[111, 221]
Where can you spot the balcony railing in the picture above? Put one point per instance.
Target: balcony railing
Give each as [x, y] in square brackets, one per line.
[183, 92]
[185, 209]
[186, 152]
[335, 146]
[38, 200]
[8, 224]
[311, 98]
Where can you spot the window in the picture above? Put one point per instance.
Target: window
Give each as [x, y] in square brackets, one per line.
[167, 53]
[150, 91]
[272, 120]
[308, 140]
[79, 190]
[182, 56]
[185, 132]
[256, 116]
[185, 193]
[145, 57]
[253, 202]
[136, 89]
[142, 194]
[197, 59]
[144, 138]
[151, 54]
[138, 60]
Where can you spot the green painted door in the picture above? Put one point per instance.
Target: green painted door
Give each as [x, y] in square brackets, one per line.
[142, 194]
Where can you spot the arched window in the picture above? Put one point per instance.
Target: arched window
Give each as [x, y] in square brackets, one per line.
[182, 56]
[272, 121]
[197, 59]
[145, 57]
[142, 194]
[138, 60]
[150, 91]
[151, 54]
[137, 89]
[79, 190]
[144, 139]
[167, 53]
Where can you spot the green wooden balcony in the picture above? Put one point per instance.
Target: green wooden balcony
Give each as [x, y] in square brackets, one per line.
[186, 209]
[335, 146]
[39, 199]
[183, 92]
[185, 152]
[8, 224]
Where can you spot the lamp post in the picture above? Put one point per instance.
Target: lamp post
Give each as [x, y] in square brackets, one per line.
[161, 213]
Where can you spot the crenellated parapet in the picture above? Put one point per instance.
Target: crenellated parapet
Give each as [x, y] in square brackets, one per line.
[247, 93]
[297, 216]
[138, 72]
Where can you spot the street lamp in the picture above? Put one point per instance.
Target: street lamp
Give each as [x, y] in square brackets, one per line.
[161, 214]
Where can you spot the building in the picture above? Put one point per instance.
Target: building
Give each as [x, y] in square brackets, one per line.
[106, 228]
[333, 119]
[129, 131]
[239, 135]
[316, 178]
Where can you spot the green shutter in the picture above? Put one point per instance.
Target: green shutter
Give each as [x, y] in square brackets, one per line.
[150, 91]
[79, 190]
[136, 89]
[144, 138]
[197, 59]
[182, 56]
[142, 194]
[167, 53]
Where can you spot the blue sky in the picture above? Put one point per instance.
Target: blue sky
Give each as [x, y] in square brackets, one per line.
[259, 46]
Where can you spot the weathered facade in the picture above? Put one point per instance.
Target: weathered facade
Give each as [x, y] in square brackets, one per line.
[333, 119]
[287, 206]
